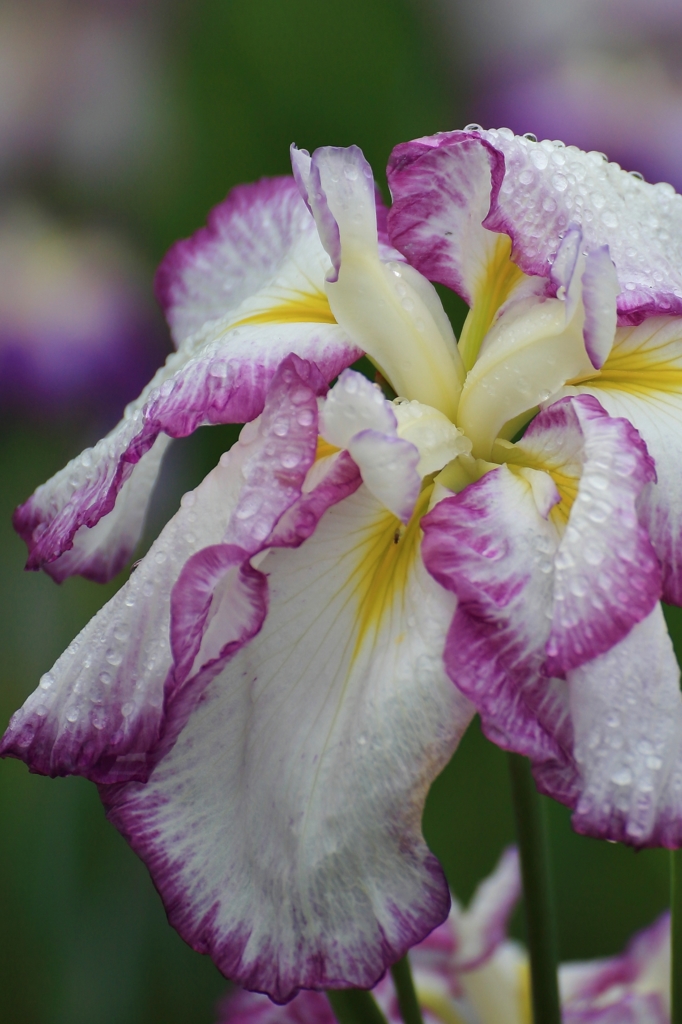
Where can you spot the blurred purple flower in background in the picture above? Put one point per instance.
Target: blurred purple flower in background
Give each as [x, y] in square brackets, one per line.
[81, 88]
[81, 103]
[78, 330]
[604, 76]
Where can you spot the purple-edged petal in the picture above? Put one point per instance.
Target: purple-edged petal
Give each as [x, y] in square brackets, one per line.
[491, 546]
[283, 828]
[606, 573]
[538, 596]
[101, 708]
[248, 241]
[256, 277]
[535, 195]
[642, 380]
[242, 1007]
[627, 718]
[632, 988]
[441, 196]
[100, 552]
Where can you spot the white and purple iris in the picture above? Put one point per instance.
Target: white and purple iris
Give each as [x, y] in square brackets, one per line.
[266, 701]
[468, 972]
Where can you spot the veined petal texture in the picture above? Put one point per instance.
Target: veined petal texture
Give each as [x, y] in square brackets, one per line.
[536, 191]
[558, 637]
[256, 277]
[102, 707]
[283, 827]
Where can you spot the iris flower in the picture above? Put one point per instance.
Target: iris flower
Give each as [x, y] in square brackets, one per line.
[266, 701]
[468, 972]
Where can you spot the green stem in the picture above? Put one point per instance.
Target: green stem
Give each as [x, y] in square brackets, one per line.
[531, 830]
[405, 990]
[676, 936]
[355, 1006]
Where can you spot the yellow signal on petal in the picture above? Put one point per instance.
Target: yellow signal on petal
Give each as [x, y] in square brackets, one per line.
[385, 559]
[640, 371]
[492, 289]
[302, 307]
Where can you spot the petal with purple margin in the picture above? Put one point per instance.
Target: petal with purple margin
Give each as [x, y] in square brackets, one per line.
[101, 709]
[642, 380]
[536, 192]
[529, 587]
[100, 552]
[220, 373]
[606, 573]
[283, 827]
[634, 987]
[490, 545]
[627, 718]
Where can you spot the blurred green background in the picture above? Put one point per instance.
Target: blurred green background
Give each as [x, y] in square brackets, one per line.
[224, 88]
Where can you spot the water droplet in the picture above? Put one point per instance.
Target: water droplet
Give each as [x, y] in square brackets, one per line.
[530, 137]
[622, 777]
[72, 715]
[290, 459]
[473, 128]
[305, 417]
[281, 428]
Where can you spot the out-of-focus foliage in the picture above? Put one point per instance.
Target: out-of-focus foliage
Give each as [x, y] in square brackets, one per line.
[137, 117]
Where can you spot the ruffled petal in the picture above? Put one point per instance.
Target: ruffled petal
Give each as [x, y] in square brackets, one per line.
[441, 196]
[256, 277]
[100, 552]
[642, 380]
[606, 573]
[540, 190]
[101, 709]
[283, 827]
[569, 595]
[627, 717]
[492, 547]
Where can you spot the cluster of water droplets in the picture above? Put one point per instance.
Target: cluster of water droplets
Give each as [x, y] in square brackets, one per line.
[627, 739]
[549, 186]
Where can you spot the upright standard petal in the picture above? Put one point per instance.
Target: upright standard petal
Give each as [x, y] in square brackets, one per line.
[102, 708]
[536, 194]
[387, 307]
[283, 828]
[256, 276]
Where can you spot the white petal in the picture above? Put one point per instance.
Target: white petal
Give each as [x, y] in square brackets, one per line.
[284, 827]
